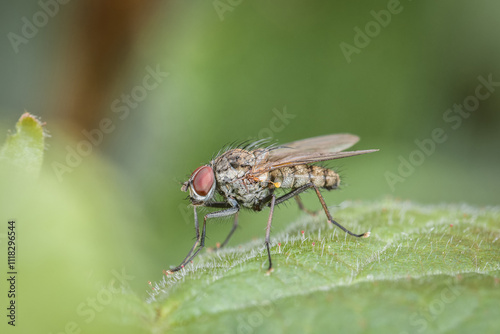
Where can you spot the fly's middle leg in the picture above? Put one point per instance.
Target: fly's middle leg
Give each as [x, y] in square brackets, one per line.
[268, 232]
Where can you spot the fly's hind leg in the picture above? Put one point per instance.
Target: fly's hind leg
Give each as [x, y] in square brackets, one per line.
[295, 193]
[299, 190]
[330, 218]
[292, 193]
[303, 208]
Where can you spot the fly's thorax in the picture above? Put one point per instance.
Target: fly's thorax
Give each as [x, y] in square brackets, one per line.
[232, 165]
[294, 177]
[231, 172]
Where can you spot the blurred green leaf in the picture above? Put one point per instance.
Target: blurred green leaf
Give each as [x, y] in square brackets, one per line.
[424, 268]
[24, 149]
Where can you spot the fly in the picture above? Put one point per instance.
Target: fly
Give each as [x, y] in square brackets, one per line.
[248, 178]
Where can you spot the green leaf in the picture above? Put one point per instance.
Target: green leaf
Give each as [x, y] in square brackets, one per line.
[432, 269]
[24, 149]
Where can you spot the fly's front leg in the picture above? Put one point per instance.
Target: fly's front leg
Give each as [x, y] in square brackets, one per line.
[216, 214]
[235, 225]
[200, 239]
[197, 227]
[220, 205]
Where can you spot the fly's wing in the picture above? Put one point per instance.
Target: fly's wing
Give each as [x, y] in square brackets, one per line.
[328, 143]
[307, 151]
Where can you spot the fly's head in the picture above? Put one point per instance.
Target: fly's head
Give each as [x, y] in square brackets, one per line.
[201, 185]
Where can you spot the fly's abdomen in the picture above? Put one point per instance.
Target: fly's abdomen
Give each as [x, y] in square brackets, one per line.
[296, 176]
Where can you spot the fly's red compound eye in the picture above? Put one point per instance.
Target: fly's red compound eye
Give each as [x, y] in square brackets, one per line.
[203, 180]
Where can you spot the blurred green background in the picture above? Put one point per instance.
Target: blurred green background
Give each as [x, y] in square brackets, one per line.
[234, 69]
